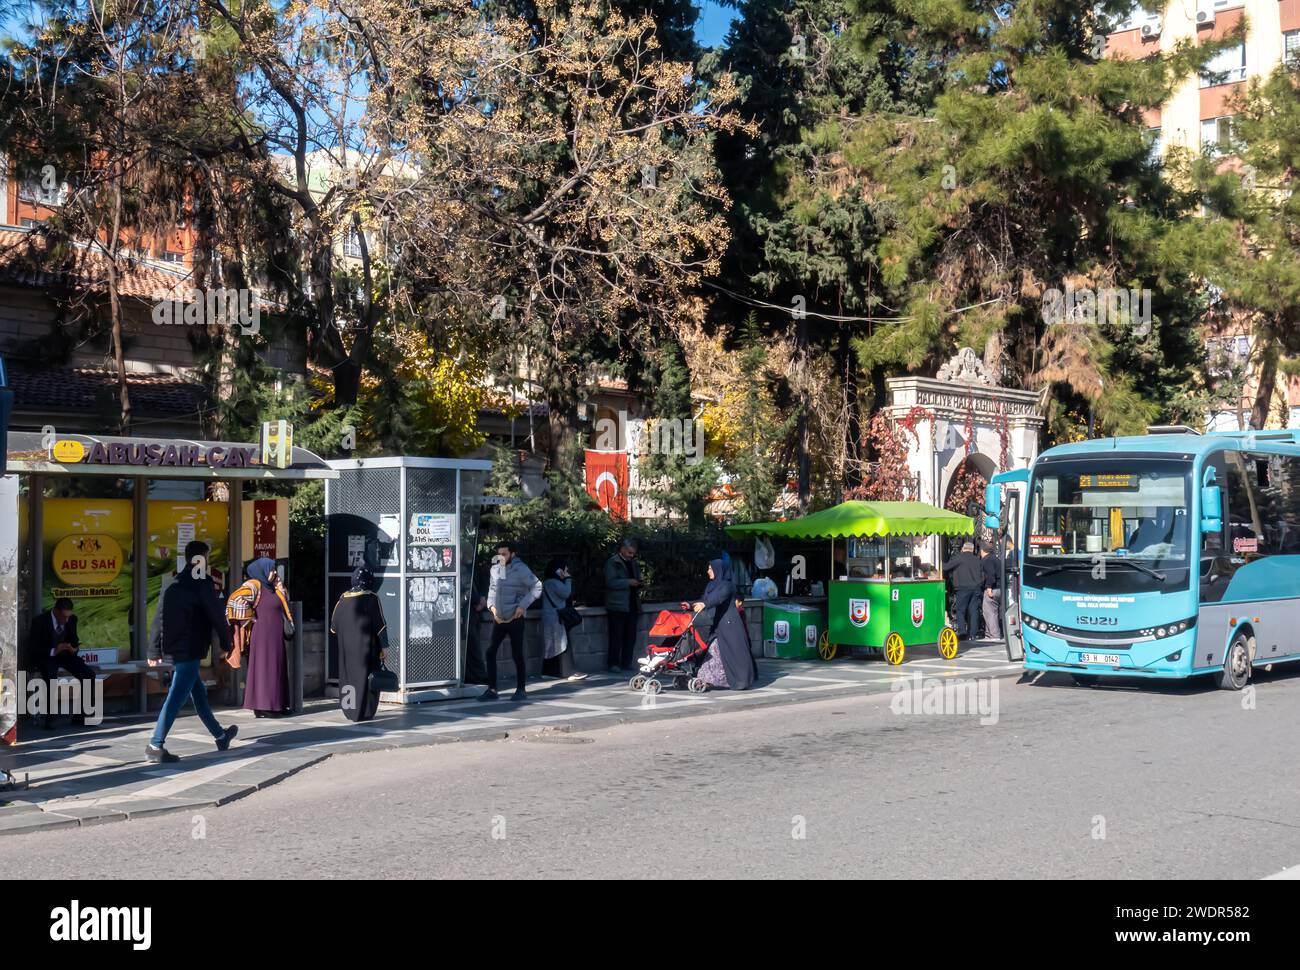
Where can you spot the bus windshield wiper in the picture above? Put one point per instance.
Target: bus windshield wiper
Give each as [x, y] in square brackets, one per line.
[1136, 565]
[1049, 570]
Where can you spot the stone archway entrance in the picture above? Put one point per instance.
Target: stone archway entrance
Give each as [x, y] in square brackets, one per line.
[966, 485]
[977, 424]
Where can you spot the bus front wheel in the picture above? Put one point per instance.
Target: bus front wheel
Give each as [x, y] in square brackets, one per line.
[1236, 668]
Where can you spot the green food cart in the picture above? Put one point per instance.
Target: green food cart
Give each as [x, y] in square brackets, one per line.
[883, 594]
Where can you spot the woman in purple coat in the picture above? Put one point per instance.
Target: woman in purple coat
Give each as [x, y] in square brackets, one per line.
[267, 689]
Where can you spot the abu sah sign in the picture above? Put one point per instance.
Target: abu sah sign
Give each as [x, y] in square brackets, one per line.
[156, 454]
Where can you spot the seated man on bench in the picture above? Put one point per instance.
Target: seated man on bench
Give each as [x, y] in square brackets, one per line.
[52, 644]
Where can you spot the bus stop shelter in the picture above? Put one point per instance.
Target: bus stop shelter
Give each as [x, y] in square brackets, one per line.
[118, 546]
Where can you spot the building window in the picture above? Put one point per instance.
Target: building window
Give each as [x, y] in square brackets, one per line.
[1225, 67]
[33, 190]
[1226, 355]
[1154, 144]
[1291, 48]
[1135, 18]
[1216, 135]
[28, 223]
[352, 244]
[171, 256]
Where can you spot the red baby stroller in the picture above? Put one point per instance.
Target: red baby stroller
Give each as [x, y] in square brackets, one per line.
[674, 648]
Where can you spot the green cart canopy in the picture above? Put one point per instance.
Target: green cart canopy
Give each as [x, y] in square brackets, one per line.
[860, 519]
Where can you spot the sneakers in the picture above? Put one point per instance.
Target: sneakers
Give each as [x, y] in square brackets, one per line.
[223, 742]
[519, 696]
[159, 756]
[488, 695]
[576, 677]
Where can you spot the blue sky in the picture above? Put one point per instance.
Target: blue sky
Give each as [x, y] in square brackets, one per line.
[714, 20]
[710, 28]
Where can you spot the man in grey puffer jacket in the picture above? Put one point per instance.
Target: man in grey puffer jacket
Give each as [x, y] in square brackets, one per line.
[513, 588]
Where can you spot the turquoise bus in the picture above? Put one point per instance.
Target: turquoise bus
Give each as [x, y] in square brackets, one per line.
[1169, 555]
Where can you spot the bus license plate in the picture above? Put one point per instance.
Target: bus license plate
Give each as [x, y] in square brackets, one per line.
[1111, 659]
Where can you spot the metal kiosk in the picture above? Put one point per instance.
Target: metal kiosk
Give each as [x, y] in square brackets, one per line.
[883, 594]
[414, 523]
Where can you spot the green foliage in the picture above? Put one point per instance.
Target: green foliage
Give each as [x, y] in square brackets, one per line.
[683, 481]
[1250, 246]
[754, 462]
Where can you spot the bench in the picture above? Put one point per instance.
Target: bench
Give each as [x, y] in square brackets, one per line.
[132, 668]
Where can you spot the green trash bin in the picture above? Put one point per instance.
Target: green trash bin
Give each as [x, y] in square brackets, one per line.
[791, 630]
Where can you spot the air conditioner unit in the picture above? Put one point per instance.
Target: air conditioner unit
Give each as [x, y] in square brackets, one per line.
[1150, 29]
[1205, 18]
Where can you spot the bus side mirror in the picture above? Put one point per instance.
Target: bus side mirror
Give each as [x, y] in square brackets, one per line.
[992, 506]
[1211, 509]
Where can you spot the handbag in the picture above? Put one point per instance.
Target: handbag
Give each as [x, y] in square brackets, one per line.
[382, 681]
[567, 614]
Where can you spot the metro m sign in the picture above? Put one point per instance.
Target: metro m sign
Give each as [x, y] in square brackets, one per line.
[277, 444]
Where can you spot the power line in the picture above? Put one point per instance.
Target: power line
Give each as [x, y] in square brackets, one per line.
[832, 317]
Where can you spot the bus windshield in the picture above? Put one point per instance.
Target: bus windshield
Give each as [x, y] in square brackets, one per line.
[1109, 525]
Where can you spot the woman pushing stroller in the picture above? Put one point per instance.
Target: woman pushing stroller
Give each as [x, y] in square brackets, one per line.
[730, 663]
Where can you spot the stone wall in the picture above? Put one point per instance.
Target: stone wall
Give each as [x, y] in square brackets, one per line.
[313, 658]
[589, 641]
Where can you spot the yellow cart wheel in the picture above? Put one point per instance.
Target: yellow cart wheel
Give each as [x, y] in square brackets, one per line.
[894, 649]
[947, 643]
[825, 649]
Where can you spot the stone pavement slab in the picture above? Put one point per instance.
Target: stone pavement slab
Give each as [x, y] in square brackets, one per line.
[99, 774]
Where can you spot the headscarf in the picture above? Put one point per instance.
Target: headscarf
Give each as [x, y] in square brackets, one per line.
[721, 575]
[260, 569]
[362, 580]
[553, 567]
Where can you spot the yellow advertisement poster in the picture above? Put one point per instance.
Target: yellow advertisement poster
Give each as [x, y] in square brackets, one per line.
[89, 555]
[170, 526]
[88, 549]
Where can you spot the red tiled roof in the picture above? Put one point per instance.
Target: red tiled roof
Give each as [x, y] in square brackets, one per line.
[82, 388]
[24, 262]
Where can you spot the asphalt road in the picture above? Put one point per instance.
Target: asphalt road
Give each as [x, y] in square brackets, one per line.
[1184, 781]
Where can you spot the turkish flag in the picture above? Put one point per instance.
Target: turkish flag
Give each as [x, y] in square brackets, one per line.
[607, 481]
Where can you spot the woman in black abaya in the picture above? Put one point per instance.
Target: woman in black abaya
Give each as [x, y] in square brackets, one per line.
[362, 635]
[729, 663]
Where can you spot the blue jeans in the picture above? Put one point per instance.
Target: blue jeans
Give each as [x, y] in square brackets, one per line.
[186, 684]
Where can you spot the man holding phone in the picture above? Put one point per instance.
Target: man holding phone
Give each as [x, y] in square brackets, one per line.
[53, 643]
[622, 604]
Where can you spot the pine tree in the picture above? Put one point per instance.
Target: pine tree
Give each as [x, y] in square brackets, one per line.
[1032, 173]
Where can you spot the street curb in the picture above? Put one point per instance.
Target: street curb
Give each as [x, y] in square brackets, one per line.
[41, 820]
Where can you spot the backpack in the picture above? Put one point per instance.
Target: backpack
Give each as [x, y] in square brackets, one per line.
[241, 614]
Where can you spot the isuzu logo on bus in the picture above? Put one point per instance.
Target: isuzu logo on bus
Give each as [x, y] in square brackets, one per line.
[1098, 621]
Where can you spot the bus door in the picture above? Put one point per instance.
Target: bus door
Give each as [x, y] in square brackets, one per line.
[1011, 577]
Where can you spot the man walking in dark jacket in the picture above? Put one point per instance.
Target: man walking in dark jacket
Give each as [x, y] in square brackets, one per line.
[967, 577]
[191, 613]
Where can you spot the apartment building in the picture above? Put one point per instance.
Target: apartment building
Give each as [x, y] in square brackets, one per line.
[53, 323]
[1198, 117]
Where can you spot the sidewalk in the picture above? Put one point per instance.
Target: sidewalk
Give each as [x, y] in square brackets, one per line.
[98, 774]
